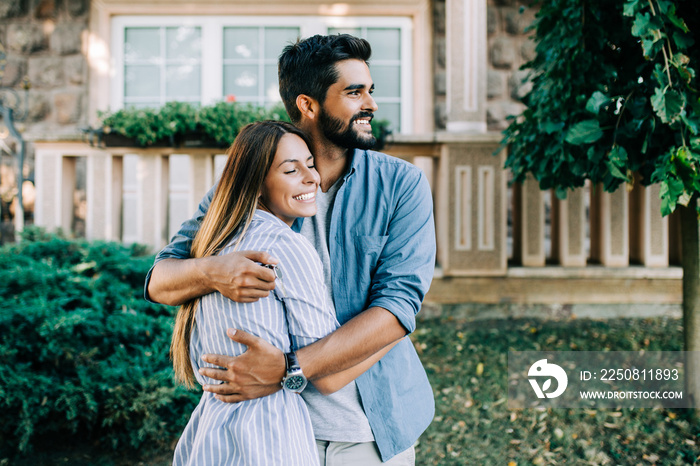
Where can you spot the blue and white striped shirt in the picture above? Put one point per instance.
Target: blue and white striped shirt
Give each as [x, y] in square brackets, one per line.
[275, 429]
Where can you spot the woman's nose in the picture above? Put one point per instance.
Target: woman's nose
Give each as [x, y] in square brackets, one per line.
[312, 176]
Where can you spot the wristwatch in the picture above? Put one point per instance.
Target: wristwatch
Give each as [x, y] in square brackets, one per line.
[295, 380]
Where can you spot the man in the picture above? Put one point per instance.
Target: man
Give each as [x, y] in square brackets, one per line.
[375, 235]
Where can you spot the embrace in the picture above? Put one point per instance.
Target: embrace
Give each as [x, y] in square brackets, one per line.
[299, 279]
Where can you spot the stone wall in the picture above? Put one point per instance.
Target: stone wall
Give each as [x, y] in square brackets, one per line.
[44, 42]
[509, 47]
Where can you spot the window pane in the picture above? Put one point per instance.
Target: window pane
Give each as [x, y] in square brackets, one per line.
[391, 112]
[183, 42]
[241, 80]
[386, 43]
[241, 43]
[182, 81]
[277, 39]
[387, 80]
[272, 88]
[141, 81]
[352, 31]
[141, 43]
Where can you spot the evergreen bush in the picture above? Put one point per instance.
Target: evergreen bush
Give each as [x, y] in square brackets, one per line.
[84, 356]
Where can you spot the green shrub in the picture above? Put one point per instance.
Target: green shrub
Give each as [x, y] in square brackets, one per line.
[84, 356]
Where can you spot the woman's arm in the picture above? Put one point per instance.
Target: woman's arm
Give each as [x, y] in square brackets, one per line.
[334, 382]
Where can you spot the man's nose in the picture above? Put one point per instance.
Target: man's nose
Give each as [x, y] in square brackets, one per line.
[370, 104]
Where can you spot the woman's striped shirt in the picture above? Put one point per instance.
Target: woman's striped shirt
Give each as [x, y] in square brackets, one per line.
[276, 429]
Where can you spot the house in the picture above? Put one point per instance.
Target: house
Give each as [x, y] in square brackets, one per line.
[447, 77]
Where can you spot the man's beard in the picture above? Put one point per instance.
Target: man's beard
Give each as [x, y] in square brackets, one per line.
[349, 138]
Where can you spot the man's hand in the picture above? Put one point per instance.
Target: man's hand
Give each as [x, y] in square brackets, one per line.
[239, 275]
[256, 373]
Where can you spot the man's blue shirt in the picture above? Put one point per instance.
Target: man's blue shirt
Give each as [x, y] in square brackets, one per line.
[382, 251]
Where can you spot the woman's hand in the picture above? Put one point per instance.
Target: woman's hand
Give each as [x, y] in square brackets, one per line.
[256, 373]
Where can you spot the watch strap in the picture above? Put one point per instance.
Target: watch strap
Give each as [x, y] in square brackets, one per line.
[291, 361]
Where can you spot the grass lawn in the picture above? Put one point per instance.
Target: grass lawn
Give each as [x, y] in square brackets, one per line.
[467, 365]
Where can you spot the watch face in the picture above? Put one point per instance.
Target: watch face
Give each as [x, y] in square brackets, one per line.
[294, 382]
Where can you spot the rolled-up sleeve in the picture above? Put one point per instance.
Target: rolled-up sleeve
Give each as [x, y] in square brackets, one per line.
[180, 244]
[407, 261]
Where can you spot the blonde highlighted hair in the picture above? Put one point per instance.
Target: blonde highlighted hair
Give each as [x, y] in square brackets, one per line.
[232, 208]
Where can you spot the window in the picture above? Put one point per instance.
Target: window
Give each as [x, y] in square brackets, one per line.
[205, 59]
[161, 64]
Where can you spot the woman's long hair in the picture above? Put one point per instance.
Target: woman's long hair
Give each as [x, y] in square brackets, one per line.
[232, 207]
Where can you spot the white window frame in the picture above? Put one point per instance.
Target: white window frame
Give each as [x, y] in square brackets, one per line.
[212, 54]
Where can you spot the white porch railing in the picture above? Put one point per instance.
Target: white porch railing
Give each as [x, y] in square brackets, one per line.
[484, 227]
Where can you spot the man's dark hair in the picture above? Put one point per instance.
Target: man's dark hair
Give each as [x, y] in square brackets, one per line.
[308, 67]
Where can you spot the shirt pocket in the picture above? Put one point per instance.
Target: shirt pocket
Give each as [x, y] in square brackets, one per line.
[369, 248]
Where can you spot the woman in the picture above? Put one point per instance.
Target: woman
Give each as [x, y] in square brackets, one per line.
[269, 180]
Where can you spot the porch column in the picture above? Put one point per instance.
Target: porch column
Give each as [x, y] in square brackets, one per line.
[466, 65]
[610, 227]
[152, 196]
[55, 186]
[202, 178]
[471, 209]
[648, 229]
[528, 223]
[569, 229]
[104, 186]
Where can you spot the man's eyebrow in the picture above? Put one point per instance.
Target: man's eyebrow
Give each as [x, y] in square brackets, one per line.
[353, 87]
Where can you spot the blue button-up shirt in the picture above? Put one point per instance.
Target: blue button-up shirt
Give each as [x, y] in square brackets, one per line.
[382, 251]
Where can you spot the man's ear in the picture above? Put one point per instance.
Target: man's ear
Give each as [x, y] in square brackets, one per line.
[308, 106]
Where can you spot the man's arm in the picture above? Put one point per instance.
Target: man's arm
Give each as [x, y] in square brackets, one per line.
[176, 278]
[258, 372]
[402, 278]
[235, 275]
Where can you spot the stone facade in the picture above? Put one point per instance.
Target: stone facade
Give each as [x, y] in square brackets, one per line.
[509, 47]
[45, 41]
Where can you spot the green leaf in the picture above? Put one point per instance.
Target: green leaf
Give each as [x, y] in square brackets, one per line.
[617, 160]
[630, 7]
[668, 204]
[678, 22]
[641, 26]
[692, 123]
[680, 59]
[615, 171]
[667, 104]
[551, 127]
[584, 132]
[683, 41]
[596, 101]
[618, 154]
